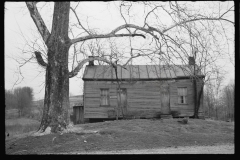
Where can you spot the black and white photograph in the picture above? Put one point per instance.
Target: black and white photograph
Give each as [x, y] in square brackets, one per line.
[119, 77]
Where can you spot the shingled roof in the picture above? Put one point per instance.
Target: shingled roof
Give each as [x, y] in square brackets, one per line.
[138, 72]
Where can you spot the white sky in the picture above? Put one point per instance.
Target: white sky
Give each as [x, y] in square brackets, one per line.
[18, 22]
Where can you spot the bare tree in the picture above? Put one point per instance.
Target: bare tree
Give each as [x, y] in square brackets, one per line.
[229, 98]
[168, 44]
[10, 100]
[23, 97]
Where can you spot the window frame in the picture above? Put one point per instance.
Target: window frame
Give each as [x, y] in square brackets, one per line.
[105, 96]
[182, 99]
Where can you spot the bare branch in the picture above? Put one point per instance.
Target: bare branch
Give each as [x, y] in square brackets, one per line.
[113, 33]
[138, 55]
[226, 12]
[122, 4]
[145, 20]
[80, 65]
[95, 36]
[38, 21]
[195, 19]
[40, 59]
[79, 21]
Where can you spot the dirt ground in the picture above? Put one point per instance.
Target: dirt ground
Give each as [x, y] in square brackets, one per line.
[218, 149]
[132, 137]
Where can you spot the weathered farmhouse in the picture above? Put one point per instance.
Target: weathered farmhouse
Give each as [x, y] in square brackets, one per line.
[146, 91]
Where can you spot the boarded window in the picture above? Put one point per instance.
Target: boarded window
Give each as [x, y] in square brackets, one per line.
[182, 95]
[104, 97]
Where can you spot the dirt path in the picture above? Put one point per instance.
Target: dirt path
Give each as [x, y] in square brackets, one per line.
[219, 149]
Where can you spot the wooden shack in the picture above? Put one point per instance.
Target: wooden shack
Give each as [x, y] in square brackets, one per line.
[140, 91]
[78, 117]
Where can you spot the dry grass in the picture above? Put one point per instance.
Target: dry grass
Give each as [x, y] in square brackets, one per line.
[17, 127]
[129, 134]
[22, 121]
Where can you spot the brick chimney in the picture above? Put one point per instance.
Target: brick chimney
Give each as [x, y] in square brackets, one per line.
[91, 63]
[191, 61]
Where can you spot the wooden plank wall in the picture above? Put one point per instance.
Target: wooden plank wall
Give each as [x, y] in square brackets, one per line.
[143, 98]
[184, 109]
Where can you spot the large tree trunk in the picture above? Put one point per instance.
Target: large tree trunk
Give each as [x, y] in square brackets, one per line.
[56, 100]
[195, 98]
[199, 99]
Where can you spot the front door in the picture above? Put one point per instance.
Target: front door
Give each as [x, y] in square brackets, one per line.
[122, 100]
[165, 99]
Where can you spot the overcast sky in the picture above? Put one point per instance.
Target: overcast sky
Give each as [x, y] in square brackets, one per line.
[18, 22]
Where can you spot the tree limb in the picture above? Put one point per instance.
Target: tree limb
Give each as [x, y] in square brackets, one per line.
[80, 65]
[40, 59]
[145, 20]
[138, 55]
[79, 21]
[113, 33]
[95, 36]
[195, 19]
[38, 21]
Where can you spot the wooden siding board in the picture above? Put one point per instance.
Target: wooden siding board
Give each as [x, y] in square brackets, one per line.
[143, 96]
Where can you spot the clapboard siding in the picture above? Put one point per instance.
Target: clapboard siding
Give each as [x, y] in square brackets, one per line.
[183, 109]
[143, 98]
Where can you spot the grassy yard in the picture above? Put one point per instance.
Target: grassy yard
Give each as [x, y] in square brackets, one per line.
[16, 127]
[126, 135]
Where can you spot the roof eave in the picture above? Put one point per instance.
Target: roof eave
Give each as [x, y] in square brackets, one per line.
[141, 79]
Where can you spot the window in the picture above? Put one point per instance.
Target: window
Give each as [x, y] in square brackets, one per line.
[104, 97]
[182, 95]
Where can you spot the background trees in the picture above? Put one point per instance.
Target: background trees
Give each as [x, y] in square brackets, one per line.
[219, 106]
[10, 100]
[20, 98]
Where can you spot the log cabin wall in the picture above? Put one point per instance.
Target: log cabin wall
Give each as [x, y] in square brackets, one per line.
[143, 98]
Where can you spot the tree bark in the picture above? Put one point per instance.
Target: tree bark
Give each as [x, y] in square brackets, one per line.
[195, 98]
[199, 99]
[56, 100]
